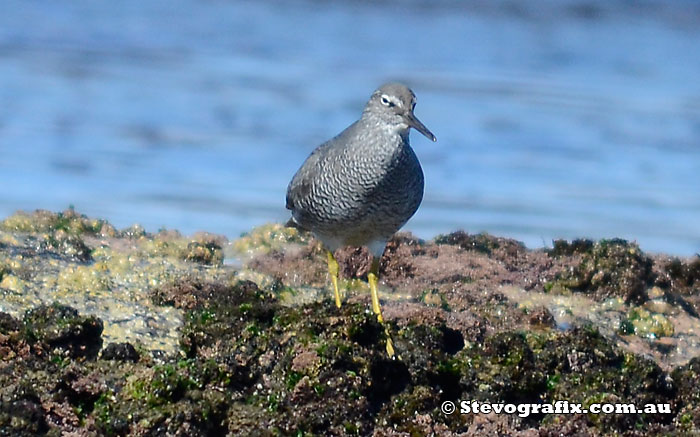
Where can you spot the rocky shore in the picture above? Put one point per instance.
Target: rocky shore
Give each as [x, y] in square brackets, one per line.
[125, 332]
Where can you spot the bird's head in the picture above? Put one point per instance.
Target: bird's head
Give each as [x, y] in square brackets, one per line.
[393, 105]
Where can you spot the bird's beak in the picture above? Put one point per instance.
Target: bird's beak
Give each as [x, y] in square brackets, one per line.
[420, 127]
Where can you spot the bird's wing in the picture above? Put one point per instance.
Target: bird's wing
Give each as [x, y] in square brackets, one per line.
[303, 180]
[301, 183]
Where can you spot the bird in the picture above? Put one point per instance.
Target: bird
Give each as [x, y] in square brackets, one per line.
[360, 187]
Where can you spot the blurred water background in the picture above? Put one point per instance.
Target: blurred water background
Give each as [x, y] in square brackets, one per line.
[576, 118]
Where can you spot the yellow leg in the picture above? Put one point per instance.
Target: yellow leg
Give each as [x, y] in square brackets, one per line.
[333, 270]
[372, 278]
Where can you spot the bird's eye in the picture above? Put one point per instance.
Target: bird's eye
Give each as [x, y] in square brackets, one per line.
[387, 102]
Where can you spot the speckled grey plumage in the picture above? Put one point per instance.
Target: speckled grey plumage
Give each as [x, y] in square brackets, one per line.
[362, 186]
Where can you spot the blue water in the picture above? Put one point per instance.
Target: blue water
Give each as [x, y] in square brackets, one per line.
[554, 118]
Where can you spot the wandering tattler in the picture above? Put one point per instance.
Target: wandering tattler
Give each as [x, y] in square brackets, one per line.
[360, 187]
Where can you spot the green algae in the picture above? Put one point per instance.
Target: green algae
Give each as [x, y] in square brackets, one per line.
[644, 323]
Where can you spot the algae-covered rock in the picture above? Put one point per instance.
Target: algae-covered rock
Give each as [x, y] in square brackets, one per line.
[120, 352]
[541, 316]
[12, 339]
[8, 323]
[567, 248]
[205, 249]
[314, 369]
[41, 221]
[684, 274]
[322, 369]
[85, 263]
[469, 316]
[686, 378]
[21, 412]
[61, 327]
[268, 237]
[483, 243]
[607, 268]
[63, 243]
